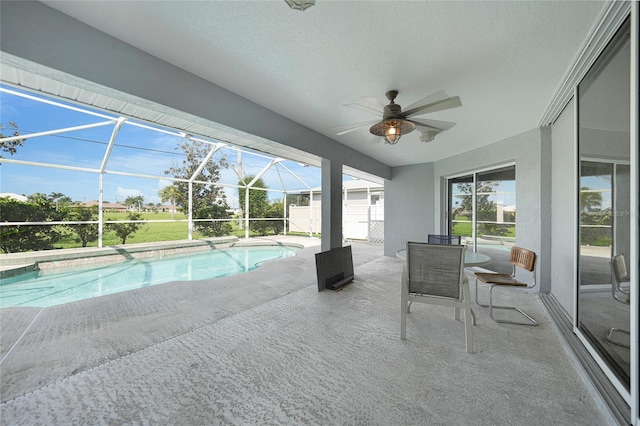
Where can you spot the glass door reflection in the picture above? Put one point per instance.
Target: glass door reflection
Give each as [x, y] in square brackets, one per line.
[604, 206]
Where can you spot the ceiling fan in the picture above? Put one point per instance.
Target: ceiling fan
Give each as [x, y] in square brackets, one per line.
[396, 122]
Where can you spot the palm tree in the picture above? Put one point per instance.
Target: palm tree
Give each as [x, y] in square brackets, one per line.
[169, 193]
[60, 199]
[134, 201]
[55, 196]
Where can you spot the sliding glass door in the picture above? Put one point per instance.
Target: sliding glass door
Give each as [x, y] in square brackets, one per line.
[603, 302]
[482, 209]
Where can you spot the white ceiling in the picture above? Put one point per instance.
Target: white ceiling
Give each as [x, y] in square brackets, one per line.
[504, 59]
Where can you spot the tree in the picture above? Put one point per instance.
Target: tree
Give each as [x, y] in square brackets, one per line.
[169, 193]
[11, 146]
[60, 199]
[276, 210]
[590, 204]
[134, 201]
[592, 213]
[124, 229]
[258, 203]
[20, 238]
[209, 201]
[86, 232]
[38, 197]
[299, 199]
[486, 210]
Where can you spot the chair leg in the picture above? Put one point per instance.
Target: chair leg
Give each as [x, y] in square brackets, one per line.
[531, 322]
[487, 305]
[456, 316]
[477, 302]
[467, 294]
[469, 319]
[403, 315]
[609, 337]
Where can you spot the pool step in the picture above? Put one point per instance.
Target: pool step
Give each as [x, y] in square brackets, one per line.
[7, 271]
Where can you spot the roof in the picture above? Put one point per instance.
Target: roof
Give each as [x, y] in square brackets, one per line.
[13, 196]
[115, 206]
[350, 185]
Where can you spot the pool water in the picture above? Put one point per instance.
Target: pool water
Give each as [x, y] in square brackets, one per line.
[55, 288]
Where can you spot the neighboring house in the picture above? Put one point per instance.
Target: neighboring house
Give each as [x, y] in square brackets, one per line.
[13, 196]
[362, 207]
[112, 207]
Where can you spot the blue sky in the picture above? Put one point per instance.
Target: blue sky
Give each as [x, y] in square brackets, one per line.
[138, 150]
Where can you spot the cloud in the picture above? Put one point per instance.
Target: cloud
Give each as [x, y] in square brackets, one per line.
[163, 183]
[153, 199]
[127, 192]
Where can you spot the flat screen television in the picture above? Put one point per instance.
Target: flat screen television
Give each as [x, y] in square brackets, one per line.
[334, 268]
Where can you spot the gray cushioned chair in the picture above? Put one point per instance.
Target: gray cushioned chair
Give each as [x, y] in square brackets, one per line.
[434, 274]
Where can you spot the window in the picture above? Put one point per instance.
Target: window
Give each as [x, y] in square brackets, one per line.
[482, 209]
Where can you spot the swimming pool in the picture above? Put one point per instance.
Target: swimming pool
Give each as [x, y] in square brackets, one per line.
[54, 288]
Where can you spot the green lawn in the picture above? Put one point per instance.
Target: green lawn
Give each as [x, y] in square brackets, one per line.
[465, 228]
[164, 231]
[150, 232]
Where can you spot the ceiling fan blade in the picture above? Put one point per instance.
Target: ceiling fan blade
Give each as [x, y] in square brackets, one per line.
[433, 124]
[427, 100]
[448, 103]
[365, 108]
[372, 100]
[342, 130]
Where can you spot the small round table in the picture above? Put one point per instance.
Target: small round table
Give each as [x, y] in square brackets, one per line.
[470, 258]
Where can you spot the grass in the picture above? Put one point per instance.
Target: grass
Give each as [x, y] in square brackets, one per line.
[465, 228]
[150, 232]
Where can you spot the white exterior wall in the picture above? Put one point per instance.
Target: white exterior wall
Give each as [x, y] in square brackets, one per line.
[355, 218]
[410, 205]
[416, 195]
[300, 220]
[563, 216]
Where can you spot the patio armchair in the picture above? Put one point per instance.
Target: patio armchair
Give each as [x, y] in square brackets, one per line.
[434, 274]
[519, 258]
[443, 239]
[620, 275]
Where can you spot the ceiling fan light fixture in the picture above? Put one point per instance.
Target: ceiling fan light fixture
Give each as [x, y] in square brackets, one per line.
[300, 4]
[392, 129]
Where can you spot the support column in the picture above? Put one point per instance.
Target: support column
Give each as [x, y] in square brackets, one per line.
[331, 204]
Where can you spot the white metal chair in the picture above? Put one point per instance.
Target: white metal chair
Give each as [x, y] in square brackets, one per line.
[620, 275]
[519, 258]
[434, 274]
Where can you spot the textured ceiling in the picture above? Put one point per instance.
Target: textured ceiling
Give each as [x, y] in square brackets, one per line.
[504, 59]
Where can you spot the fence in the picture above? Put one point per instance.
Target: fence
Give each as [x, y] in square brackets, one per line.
[360, 222]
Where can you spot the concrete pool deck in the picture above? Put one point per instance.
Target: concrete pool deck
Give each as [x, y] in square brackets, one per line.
[266, 348]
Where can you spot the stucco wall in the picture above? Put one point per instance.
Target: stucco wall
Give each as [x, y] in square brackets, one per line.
[414, 195]
[409, 206]
[525, 151]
